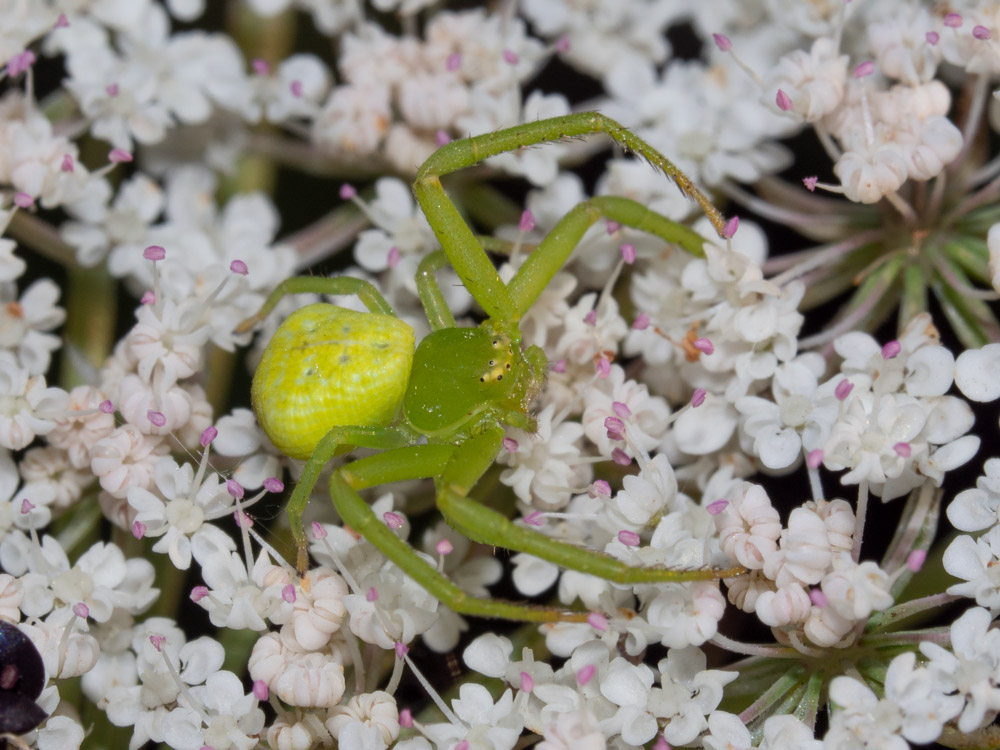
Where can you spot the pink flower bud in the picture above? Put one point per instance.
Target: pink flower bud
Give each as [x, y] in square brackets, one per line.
[238, 266]
[207, 436]
[722, 42]
[527, 684]
[119, 156]
[603, 367]
[597, 621]
[953, 20]
[698, 397]
[392, 520]
[27, 506]
[902, 450]
[613, 226]
[891, 349]
[62, 22]
[148, 298]
[621, 409]
[243, 521]
[620, 457]
[864, 69]
[510, 57]
[296, 88]
[318, 532]
[106, 407]
[783, 101]
[661, 743]
[591, 318]
[111, 89]
[915, 560]
[347, 191]
[585, 674]
[628, 253]
[981, 33]
[817, 597]
[704, 345]
[274, 485]
[716, 507]
[535, 518]
[156, 418]
[810, 183]
[372, 594]
[154, 253]
[67, 163]
[401, 649]
[392, 259]
[815, 458]
[260, 67]
[641, 322]
[527, 222]
[138, 529]
[628, 538]
[932, 38]
[198, 593]
[260, 691]
[81, 610]
[406, 718]
[559, 366]
[510, 445]
[730, 228]
[562, 44]
[600, 488]
[234, 488]
[454, 61]
[614, 425]
[441, 137]
[288, 593]
[444, 547]
[157, 640]
[23, 200]
[843, 389]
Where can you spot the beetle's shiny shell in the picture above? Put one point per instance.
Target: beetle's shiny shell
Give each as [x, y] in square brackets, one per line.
[327, 366]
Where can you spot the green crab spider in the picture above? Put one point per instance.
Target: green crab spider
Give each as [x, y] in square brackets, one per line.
[333, 379]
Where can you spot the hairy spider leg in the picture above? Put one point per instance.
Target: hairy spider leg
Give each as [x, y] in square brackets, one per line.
[463, 249]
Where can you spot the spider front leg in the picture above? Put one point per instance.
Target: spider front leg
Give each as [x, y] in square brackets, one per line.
[466, 254]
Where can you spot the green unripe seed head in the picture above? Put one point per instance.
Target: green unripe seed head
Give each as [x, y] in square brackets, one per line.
[327, 367]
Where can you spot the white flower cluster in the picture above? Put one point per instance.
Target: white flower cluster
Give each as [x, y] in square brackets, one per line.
[679, 384]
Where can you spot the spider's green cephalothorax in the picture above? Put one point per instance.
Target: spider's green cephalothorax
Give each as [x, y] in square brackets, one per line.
[482, 368]
[332, 378]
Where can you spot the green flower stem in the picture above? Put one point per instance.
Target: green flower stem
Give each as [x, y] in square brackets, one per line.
[327, 236]
[890, 618]
[914, 297]
[808, 708]
[42, 237]
[971, 255]
[915, 531]
[972, 319]
[790, 680]
[89, 333]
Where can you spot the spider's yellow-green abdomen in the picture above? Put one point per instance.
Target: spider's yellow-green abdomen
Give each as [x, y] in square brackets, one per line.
[327, 366]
